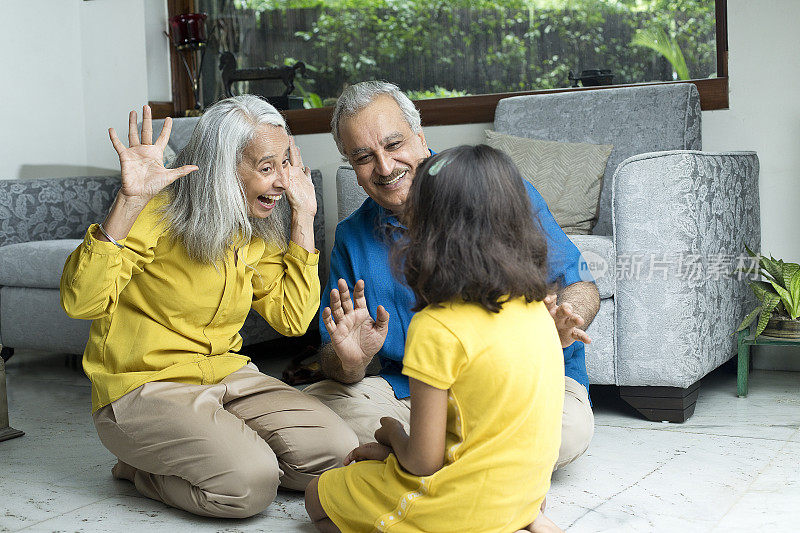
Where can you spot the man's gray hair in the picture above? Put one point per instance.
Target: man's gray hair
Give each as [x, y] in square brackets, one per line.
[207, 210]
[356, 97]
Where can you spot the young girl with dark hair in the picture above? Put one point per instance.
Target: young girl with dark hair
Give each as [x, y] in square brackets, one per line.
[484, 361]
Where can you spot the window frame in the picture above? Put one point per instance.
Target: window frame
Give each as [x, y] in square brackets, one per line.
[456, 110]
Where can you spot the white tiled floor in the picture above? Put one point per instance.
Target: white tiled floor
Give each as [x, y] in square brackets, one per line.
[734, 466]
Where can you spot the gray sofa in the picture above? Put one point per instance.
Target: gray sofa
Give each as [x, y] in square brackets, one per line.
[664, 204]
[41, 222]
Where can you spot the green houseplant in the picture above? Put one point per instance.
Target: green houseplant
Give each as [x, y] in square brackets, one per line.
[778, 294]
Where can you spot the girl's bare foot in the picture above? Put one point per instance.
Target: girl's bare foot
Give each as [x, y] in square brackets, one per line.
[123, 471]
[541, 524]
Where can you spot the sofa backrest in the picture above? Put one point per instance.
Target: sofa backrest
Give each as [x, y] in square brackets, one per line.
[53, 208]
[635, 120]
[182, 129]
[349, 194]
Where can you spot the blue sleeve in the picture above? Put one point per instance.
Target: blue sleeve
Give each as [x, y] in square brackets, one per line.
[340, 267]
[564, 262]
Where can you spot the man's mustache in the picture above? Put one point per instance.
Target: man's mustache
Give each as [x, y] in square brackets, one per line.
[393, 175]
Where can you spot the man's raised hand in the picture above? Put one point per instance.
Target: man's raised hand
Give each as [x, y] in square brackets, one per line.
[355, 336]
[567, 322]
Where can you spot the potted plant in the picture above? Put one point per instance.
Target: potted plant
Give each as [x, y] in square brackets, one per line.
[778, 294]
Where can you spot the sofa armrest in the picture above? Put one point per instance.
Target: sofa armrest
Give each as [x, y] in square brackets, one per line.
[53, 208]
[680, 221]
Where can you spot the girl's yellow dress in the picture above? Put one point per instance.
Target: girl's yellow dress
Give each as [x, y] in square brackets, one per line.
[505, 376]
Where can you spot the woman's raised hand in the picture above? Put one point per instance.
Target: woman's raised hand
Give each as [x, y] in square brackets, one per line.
[300, 188]
[142, 163]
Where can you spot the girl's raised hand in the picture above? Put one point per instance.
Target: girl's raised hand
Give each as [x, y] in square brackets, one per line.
[142, 162]
[300, 189]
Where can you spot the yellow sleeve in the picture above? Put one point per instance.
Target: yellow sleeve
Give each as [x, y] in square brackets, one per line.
[96, 272]
[286, 288]
[433, 353]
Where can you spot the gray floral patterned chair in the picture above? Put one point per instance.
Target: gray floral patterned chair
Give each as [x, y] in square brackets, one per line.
[41, 222]
[669, 215]
[672, 221]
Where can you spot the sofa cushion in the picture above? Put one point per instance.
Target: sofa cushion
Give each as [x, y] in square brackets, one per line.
[567, 175]
[599, 254]
[349, 194]
[635, 120]
[36, 263]
[53, 208]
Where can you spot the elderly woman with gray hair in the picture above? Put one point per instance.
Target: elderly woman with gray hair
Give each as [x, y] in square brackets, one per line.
[168, 279]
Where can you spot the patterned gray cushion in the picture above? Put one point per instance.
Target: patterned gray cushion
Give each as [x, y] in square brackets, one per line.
[567, 175]
[52, 208]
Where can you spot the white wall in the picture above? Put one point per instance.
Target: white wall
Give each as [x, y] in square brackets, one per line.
[764, 116]
[159, 80]
[764, 112]
[114, 63]
[70, 69]
[41, 101]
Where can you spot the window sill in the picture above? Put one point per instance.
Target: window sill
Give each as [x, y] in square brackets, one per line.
[480, 108]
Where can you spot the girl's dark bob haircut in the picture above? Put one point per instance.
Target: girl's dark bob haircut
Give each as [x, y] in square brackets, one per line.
[471, 233]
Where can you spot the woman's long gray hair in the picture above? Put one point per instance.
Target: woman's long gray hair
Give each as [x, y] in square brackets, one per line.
[207, 209]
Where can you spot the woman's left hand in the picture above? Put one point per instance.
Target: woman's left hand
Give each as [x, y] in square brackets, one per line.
[300, 188]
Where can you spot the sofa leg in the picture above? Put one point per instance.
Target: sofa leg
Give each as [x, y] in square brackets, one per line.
[6, 353]
[671, 404]
[6, 431]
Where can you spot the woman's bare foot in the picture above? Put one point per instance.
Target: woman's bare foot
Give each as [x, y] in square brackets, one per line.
[123, 471]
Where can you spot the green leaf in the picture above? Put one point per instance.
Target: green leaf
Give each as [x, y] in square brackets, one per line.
[316, 101]
[748, 319]
[791, 280]
[773, 268]
[766, 313]
[658, 40]
[763, 290]
[785, 297]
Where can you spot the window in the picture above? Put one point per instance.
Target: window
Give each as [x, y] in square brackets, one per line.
[469, 53]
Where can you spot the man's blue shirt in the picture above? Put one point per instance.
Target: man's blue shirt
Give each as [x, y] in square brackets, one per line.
[361, 251]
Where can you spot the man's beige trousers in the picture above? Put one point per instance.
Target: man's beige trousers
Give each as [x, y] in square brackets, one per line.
[222, 450]
[363, 404]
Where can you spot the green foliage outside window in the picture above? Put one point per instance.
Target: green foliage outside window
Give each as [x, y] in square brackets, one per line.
[436, 48]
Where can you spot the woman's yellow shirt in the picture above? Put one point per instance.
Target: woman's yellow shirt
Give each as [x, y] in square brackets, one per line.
[159, 315]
